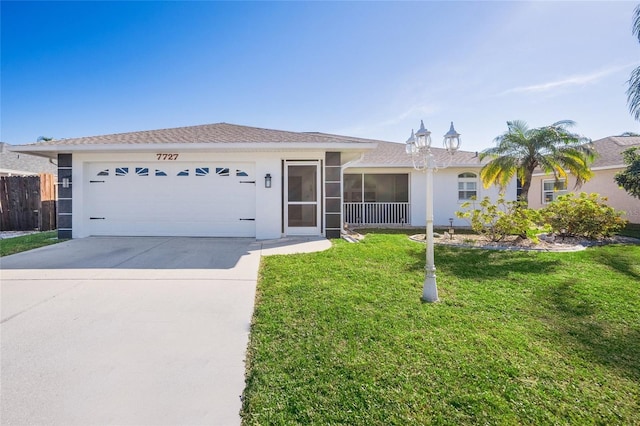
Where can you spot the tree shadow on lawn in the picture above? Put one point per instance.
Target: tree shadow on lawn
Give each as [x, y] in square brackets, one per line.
[483, 264]
[621, 261]
[575, 323]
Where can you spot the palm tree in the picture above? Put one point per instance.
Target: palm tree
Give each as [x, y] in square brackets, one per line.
[520, 150]
[633, 92]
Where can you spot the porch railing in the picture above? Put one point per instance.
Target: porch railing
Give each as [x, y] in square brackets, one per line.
[377, 213]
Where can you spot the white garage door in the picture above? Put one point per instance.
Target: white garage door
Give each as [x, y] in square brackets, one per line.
[170, 199]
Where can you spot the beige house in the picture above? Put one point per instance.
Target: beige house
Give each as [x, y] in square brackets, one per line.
[608, 163]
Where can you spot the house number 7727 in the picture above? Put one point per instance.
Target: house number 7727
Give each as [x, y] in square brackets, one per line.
[167, 157]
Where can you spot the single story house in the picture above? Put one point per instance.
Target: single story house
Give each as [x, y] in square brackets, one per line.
[230, 180]
[608, 162]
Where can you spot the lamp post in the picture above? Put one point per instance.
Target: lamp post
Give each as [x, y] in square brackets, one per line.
[418, 146]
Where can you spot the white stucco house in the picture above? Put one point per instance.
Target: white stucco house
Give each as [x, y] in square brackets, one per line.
[238, 181]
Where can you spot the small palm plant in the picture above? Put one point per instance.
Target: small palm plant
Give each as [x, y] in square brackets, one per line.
[520, 150]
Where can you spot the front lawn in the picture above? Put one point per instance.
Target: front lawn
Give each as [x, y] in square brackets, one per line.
[27, 242]
[341, 337]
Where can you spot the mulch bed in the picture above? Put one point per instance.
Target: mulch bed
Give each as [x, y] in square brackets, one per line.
[554, 243]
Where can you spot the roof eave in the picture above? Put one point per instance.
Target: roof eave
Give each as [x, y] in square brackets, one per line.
[380, 165]
[52, 150]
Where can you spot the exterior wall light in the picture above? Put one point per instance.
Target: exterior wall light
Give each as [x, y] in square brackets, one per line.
[267, 180]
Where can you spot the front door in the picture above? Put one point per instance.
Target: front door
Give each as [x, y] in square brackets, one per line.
[302, 190]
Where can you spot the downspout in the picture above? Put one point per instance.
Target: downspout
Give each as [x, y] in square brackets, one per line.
[344, 166]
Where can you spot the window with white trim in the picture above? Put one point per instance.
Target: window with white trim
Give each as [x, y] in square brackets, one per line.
[551, 190]
[467, 186]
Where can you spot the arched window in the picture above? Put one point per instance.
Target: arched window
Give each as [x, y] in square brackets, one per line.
[467, 185]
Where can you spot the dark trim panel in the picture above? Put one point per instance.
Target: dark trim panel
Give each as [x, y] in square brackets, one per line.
[332, 195]
[65, 196]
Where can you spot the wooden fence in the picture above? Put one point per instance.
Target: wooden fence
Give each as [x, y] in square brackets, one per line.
[27, 203]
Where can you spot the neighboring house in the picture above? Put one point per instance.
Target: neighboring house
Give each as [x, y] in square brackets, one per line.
[16, 164]
[607, 164]
[238, 181]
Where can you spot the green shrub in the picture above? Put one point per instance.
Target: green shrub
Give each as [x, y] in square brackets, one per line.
[496, 221]
[586, 215]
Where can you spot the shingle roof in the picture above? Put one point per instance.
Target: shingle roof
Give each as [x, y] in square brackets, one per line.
[610, 150]
[12, 162]
[391, 154]
[221, 133]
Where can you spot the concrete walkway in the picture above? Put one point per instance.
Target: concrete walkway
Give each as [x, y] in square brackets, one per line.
[130, 331]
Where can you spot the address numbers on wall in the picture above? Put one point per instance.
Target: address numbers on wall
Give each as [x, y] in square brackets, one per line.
[167, 157]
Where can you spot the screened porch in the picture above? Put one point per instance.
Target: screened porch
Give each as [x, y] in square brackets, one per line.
[376, 199]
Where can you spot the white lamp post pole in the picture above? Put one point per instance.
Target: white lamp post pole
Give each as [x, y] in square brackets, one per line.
[430, 289]
[419, 147]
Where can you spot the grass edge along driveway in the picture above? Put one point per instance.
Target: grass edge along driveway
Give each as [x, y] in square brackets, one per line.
[15, 245]
[341, 337]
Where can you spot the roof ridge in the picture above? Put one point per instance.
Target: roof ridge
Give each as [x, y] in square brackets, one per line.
[221, 132]
[349, 137]
[147, 131]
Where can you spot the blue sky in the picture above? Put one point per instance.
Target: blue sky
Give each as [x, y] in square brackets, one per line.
[367, 69]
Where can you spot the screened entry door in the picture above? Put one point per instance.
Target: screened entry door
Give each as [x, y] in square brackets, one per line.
[302, 190]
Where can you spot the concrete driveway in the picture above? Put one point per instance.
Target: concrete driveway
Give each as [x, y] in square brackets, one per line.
[129, 331]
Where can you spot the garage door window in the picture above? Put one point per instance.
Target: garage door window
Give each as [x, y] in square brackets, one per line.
[144, 171]
[198, 171]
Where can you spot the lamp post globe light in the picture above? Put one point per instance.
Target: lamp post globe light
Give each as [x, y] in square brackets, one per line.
[418, 146]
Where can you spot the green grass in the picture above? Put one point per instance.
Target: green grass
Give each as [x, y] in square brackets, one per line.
[27, 242]
[341, 337]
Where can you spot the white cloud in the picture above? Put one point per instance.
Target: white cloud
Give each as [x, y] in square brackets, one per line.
[576, 80]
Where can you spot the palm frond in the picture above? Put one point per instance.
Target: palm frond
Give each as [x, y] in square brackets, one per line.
[636, 22]
[499, 171]
[552, 165]
[633, 94]
[564, 124]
